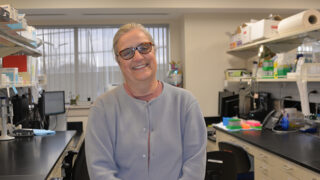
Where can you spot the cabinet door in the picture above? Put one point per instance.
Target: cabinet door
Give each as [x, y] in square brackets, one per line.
[293, 171]
[263, 170]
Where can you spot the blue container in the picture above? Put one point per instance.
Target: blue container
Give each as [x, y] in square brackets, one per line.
[225, 120]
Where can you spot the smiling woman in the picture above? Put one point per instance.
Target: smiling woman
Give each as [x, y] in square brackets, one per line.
[79, 60]
[144, 128]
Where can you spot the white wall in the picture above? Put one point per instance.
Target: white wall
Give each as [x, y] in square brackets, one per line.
[205, 55]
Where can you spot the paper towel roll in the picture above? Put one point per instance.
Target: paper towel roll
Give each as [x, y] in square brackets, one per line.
[298, 21]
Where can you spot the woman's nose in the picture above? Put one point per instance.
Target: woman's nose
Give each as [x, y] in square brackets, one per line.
[137, 55]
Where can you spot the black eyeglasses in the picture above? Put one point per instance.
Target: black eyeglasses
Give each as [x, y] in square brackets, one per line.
[143, 48]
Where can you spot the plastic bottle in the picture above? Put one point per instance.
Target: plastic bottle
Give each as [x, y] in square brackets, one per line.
[254, 68]
[285, 123]
[275, 68]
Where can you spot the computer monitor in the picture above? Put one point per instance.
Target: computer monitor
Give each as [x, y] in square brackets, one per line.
[20, 106]
[53, 103]
[230, 106]
[223, 94]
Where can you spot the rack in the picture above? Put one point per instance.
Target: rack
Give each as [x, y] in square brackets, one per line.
[12, 43]
[279, 43]
[273, 80]
[263, 80]
[18, 85]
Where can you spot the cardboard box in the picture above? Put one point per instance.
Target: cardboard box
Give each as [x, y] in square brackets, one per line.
[19, 61]
[26, 66]
[26, 77]
[21, 25]
[12, 73]
[4, 15]
[246, 33]
[264, 29]
[235, 39]
[13, 13]
[30, 34]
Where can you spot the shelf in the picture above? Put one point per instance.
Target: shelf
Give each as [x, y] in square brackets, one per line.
[12, 43]
[279, 43]
[272, 80]
[18, 85]
[277, 80]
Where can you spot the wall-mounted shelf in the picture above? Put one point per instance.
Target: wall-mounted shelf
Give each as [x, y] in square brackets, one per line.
[12, 43]
[279, 43]
[18, 85]
[272, 80]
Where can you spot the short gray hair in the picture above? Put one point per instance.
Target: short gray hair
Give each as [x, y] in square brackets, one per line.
[126, 28]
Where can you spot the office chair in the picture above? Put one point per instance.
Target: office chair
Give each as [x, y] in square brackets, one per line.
[79, 169]
[231, 162]
[220, 166]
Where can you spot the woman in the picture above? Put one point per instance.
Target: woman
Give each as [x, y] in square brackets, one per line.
[144, 129]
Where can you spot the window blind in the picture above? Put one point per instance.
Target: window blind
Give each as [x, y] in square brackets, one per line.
[80, 60]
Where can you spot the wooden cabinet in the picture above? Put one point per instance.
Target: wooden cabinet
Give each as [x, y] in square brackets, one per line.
[268, 166]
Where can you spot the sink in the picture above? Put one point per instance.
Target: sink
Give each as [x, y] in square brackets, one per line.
[278, 129]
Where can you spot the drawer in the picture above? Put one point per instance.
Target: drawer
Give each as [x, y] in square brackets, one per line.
[265, 157]
[310, 175]
[294, 171]
[289, 177]
[261, 176]
[77, 112]
[262, 171]
[265, 170]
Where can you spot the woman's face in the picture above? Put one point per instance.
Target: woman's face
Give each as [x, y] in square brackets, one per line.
[141, 67]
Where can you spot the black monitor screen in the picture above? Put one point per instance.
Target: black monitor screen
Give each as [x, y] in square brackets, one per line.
[53, 102]
[230, 106]
[223, 94]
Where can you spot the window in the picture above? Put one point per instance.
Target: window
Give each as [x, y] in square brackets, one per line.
[80, 60]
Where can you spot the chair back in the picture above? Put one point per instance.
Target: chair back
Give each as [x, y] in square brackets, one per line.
[241, 157]
[79, 170]
[220, 166]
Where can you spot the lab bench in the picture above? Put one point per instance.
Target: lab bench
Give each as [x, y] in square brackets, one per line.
[277, 156]
[37, 157]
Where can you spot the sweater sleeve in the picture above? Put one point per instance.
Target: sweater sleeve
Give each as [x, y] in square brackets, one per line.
[194, 145]
[100, 135]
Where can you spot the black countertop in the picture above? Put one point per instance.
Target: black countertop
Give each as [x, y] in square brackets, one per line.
[32, 158]
[300, 148]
